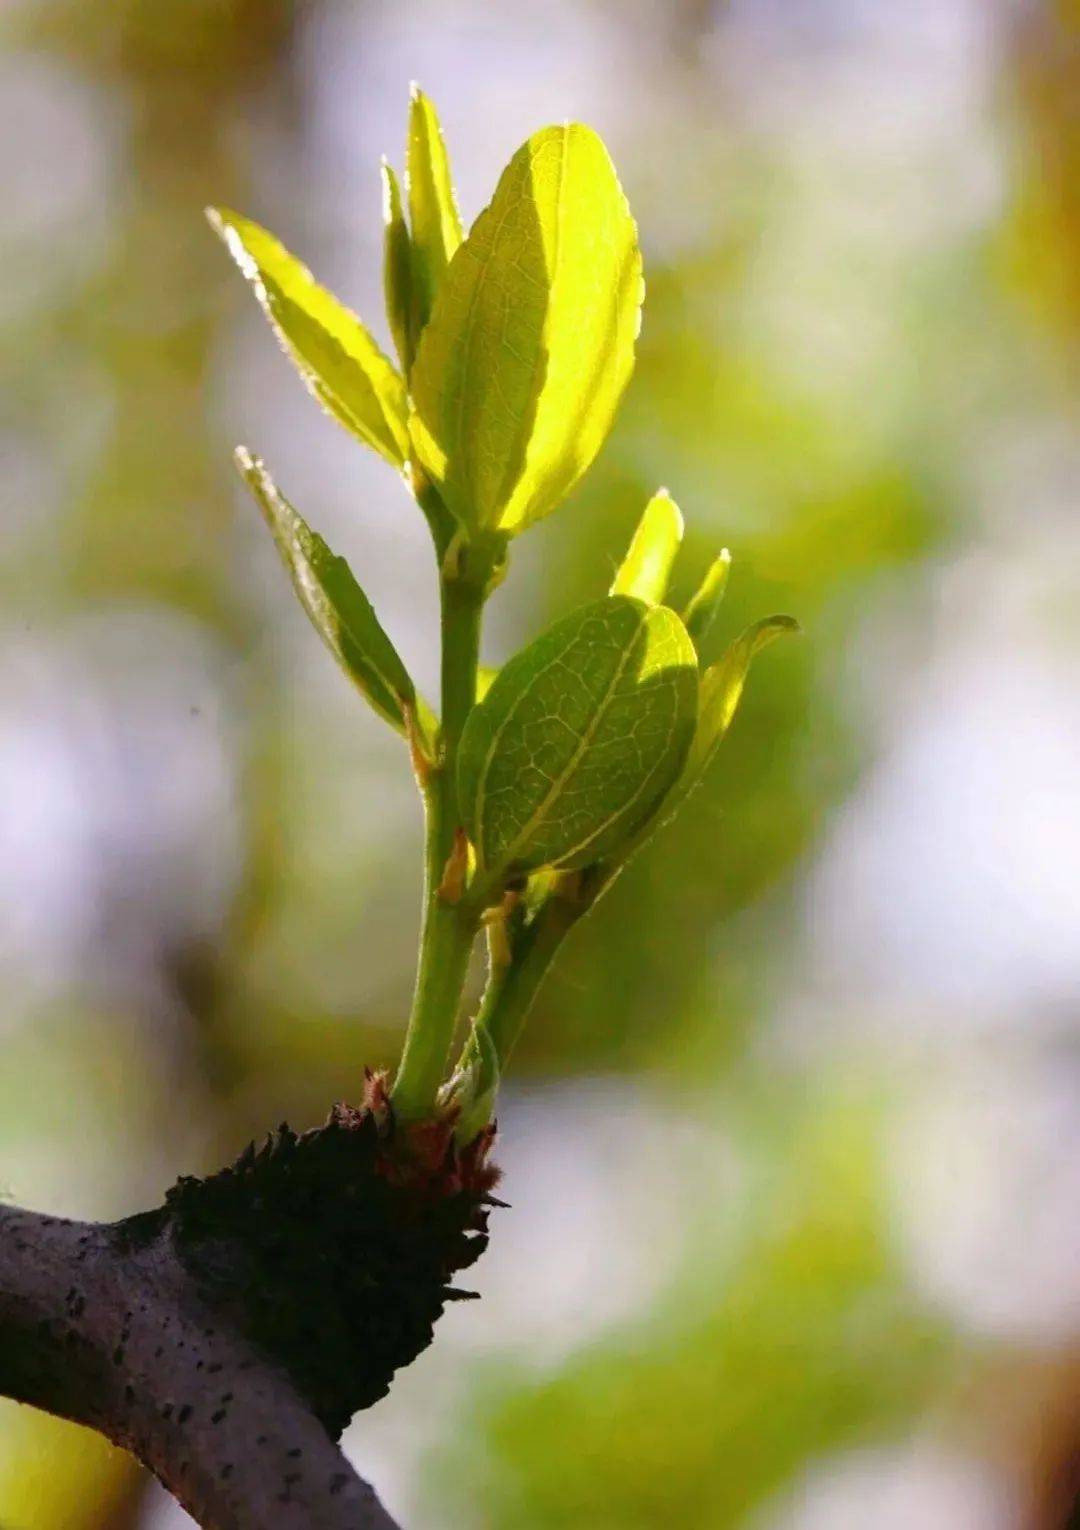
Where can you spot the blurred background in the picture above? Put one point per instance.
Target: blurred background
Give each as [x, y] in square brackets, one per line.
[793, 1144]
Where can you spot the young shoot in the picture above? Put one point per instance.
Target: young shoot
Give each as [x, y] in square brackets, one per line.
[515, 342]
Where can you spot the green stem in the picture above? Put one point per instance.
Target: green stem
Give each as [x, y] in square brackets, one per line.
[449, 928]
[512, 988]
[462, 608]
[445, 948]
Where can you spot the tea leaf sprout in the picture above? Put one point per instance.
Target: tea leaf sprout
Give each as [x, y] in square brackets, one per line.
[515, 342]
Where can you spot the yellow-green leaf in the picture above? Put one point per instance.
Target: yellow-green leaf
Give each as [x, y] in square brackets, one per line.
[397, 267]
[705, 601]
[646, 568]
[579, 738]
[338, 609]
[721, 690]
[485, 679]
[531, 342]
[333, 352]
[436, 225]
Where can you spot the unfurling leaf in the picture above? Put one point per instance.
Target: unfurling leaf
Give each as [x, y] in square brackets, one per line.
[579, 738]
[433, 214]
[705, 601]
[397, 267]
[339, 610]
[474, 1090]
[645, 570]
[721, 689]
[531, 341]
[335, 355]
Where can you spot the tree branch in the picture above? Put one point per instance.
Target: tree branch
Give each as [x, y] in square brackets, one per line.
[117, 1338]
[228, 1336]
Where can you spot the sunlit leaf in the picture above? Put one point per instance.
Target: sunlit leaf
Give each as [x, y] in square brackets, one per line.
[335, 355]
[719, 694]
[397, 266]
[579, 738]
[433, 214]
[338, 608]
[706, 599]
[721, 690]
[646, 568]
[485, 679]
[531, 341]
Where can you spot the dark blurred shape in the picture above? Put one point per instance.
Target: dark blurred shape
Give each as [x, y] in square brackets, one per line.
[1044, 66]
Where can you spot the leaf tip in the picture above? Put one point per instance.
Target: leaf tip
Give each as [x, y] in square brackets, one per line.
[767, 630]
[678, 524]
[391, 194]
[219, 221]
[252, 470]
[675, 521]
[785, 624]
[230, 229]
[246, 463]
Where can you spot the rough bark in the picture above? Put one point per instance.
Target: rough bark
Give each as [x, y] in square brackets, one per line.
[118, 1339]
[226, 1337]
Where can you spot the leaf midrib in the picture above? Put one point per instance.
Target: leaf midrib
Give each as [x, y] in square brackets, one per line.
[619, 812]
[527, 423]
[461, 438]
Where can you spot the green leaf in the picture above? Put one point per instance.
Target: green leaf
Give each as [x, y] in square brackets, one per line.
[485, 679]
[579, 737]
[531, 342]
[721, 689]
[397, 267]
[645, 570]
[701, 611]
[476, 1088]
[337, 358]
[436, 226]
[339, 610]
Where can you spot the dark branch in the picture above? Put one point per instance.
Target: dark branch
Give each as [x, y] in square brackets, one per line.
[226, 1338]
[118, 1339]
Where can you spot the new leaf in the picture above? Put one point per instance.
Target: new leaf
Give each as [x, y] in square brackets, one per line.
[474, 1092]
[579, 738]
[645, 570]
[397, 267]
[531, 341]
[433, 214]
[701, 610]
[339, 610]
[721, 690]
[335, 355]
